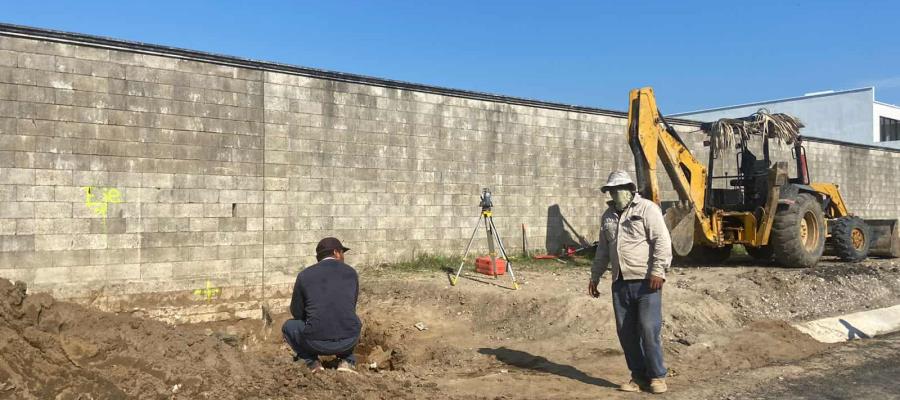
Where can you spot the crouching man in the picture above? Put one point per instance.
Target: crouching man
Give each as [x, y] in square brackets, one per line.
[324, 310]
[634, 239]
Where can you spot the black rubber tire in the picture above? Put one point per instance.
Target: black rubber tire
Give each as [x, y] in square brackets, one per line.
[708, 255]
[763, 253]
[842, 242]
[789, 250]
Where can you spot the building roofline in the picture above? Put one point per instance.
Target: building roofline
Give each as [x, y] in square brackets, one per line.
[221, 59]
[759, 103]
[849, 144]
[887, 104]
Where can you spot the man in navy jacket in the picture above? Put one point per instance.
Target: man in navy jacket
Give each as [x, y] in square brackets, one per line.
[324, 309]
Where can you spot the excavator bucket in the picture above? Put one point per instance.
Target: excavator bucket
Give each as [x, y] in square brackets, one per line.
[885, 237]
[680, 221]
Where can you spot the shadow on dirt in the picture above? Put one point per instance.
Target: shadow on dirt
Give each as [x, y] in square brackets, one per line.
[525, 360]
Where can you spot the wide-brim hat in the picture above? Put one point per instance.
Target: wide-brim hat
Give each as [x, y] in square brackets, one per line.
[618, 178]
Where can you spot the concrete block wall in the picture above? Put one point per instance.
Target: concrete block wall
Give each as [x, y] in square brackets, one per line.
[868, 177]
[131, 169]
[125, 172]
[398, 172]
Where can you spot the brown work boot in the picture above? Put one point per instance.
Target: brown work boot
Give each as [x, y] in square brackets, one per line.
[658, 385]
[632, 386]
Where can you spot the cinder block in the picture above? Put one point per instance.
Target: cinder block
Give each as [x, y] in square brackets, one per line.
[247, 238]
[68, 258]
[36, 61]
[156, 271]
[34, 193]
[154, 180]
[173, 224]
[202, 253]
[254, 224]
[54, 242]
[114, 256]
[203, 195]
[204, 224]
[8, 58]
[187, 210]
[16, 243]
[21, 143]
[162, 254]
[122, 272]
[52, 275]
[124, 241]
[8, 227]
[53, 177]
[16, 210]
[16, 176]
[89, 241]
[7, 193]
[245, 210]
[204, 269]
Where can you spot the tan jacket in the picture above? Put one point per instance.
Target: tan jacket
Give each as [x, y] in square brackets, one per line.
[637, 243]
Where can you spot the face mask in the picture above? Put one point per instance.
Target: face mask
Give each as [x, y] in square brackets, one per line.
[621, 198]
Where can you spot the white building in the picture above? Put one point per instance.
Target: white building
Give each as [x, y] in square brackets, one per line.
[848, 115]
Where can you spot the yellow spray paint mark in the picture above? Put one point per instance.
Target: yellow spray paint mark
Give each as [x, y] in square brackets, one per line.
[209, 292]
[100, 206]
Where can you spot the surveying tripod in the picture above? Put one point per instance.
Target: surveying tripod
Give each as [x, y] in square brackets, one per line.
[492, 235]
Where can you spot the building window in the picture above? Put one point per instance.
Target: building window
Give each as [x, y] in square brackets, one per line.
[890, 129]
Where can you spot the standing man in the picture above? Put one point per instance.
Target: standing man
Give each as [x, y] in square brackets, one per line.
[635, 240]
[324, 310]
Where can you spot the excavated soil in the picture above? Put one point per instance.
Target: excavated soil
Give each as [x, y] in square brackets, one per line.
[546, 340]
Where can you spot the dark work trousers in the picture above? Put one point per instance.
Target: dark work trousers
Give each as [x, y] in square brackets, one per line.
[309, 350]
[638, 322]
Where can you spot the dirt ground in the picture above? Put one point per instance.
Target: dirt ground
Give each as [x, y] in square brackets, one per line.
[547, 340]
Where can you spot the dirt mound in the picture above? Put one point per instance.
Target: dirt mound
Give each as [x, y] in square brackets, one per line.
[59, 350]
[758, 344]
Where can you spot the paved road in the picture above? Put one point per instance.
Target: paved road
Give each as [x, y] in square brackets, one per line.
[860, 370]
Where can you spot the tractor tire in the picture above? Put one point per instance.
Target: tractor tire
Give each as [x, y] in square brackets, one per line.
[762, 253]
[850, 238]
[798, 235]
[708, 255]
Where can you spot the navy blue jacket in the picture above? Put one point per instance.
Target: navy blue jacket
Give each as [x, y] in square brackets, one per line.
[325, 297]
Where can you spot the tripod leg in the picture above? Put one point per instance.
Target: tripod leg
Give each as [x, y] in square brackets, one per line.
[489, 224]
[503, 252]
[455, 278]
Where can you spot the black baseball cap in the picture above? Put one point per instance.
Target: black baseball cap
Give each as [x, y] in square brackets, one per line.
[329, 244]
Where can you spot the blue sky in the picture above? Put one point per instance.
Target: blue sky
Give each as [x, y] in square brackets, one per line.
[696, 54]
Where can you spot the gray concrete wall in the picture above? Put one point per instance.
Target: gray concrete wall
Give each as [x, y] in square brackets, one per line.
[126, 172]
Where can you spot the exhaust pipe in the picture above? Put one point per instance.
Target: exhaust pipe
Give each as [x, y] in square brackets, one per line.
[885, 237]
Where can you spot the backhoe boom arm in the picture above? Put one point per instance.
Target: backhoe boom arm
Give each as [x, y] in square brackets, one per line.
[652, 140]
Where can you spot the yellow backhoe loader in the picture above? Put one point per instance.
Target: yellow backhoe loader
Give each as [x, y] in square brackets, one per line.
[774, 216]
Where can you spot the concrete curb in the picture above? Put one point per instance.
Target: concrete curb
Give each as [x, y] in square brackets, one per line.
[861, 325]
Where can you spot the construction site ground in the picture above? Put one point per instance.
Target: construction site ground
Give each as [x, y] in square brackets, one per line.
[726, 336]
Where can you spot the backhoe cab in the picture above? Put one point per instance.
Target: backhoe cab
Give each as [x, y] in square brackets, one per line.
[755, 204]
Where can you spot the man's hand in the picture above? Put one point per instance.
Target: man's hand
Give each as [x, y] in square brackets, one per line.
[656, 282]
[592, 289]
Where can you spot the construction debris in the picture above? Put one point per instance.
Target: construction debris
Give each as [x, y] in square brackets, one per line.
[725, 132]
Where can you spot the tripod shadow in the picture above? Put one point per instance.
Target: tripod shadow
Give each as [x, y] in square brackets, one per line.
[852, 331]
[560, 232]
[525, 360]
